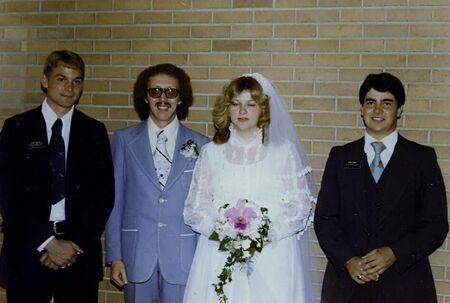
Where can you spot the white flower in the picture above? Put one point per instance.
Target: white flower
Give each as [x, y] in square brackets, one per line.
[189, 149]
[246, 244]
[240, 230]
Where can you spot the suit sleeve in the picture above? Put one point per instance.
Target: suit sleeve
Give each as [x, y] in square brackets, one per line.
[6, 161]
[327, 215]
[113, 234]
[101, 193]
[432, 223]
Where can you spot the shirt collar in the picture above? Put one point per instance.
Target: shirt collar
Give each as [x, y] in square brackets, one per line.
[170, 129]
[50, 117]
[389, 141]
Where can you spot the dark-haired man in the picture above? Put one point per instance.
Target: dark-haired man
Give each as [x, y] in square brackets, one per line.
[148, 244]
[381, 209]
[56, 192]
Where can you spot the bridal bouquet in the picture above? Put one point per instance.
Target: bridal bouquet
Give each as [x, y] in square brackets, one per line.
[241, 230]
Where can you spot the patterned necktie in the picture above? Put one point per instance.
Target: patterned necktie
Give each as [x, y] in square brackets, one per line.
[57, 163]
[162, 159]
[376, 167]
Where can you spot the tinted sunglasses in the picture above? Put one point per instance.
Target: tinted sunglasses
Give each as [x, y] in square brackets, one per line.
[156, 92]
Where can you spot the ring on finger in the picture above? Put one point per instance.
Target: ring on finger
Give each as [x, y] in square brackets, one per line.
[359, 277]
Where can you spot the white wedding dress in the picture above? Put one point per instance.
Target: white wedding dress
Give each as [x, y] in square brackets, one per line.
[273, 178]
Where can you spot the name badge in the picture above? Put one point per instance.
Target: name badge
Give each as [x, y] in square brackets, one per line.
[352, 164]
[36, 145]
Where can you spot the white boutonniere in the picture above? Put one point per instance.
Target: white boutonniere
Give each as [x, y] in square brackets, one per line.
[189, 149]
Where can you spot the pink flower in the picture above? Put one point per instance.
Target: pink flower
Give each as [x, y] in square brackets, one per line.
[240, 215]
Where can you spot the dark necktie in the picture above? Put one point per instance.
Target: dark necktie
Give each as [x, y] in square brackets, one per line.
[57, 163]
[376, 167]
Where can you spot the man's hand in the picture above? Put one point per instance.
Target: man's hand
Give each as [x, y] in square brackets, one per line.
[378, 260]
[118, 274]
[356, 271]
[61, 252]
[45, 260]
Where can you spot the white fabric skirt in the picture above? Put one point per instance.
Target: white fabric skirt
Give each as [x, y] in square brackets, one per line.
[277, 275]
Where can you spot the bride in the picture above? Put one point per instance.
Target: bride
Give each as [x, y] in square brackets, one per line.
[255, 155]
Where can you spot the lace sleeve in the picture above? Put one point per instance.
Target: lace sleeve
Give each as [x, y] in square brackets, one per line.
[199, 212]
[297, 205]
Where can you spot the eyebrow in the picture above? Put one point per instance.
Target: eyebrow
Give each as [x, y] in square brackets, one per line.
[385, 99]
[61, 75]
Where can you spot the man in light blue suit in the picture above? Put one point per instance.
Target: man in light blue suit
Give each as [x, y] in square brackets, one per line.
[147, 243]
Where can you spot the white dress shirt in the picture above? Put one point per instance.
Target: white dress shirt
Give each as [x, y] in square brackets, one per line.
[389, 141]
[171, 131]
[57, 212]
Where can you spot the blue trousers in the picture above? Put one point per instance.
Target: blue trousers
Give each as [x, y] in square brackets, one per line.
[154, 290]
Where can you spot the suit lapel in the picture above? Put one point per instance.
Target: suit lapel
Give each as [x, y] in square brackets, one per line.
[36, 144]
[38, 130]
[360, 181]
[141, 151]
[397, 169]
[179, 161]
[76, 131]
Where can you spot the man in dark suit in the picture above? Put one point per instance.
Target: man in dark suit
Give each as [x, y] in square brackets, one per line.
[381, 209]
[56, 192]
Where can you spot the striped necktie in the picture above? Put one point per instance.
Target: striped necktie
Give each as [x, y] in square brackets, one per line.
[57, 163]
[161, 159]
[376, 167]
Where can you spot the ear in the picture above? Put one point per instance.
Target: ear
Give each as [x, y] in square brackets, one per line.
[44, 81]
[399, 112]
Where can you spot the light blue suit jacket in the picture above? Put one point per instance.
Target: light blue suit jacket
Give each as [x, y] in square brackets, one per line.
[146, 225]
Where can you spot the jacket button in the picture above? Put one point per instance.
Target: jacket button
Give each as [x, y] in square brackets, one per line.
[162, 200]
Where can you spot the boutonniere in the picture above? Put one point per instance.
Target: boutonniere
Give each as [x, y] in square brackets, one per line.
[189, 149]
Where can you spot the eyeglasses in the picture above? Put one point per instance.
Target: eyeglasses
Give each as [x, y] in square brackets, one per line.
[156, 92]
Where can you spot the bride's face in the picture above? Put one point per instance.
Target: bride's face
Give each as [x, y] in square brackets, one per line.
[244, 113]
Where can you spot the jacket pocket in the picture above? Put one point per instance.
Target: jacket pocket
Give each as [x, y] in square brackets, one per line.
[188, 242]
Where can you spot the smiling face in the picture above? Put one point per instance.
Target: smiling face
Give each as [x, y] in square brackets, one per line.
[163, 110]
[64, 85]
[380, 112]
[244, 114]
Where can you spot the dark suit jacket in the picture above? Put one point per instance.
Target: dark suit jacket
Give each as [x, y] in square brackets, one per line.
[406, 210]
[25, 191]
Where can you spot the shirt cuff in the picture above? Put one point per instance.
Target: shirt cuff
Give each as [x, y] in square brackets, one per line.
[43, 245]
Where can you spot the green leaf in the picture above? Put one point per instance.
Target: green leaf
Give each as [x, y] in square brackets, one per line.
[214, 236]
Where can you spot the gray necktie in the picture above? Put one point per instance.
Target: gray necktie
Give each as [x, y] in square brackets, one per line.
[376, 167]
[162, 159]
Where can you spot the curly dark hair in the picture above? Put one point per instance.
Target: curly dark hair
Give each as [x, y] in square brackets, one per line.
[221, 116]
[140, 89]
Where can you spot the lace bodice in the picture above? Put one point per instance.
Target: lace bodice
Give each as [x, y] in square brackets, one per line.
[271, 176]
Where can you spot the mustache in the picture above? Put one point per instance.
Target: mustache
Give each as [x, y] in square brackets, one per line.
[158, 103]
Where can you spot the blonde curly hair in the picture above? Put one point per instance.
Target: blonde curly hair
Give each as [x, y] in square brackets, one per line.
[221, 116]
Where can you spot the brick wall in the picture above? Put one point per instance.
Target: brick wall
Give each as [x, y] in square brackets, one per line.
[316, 51]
